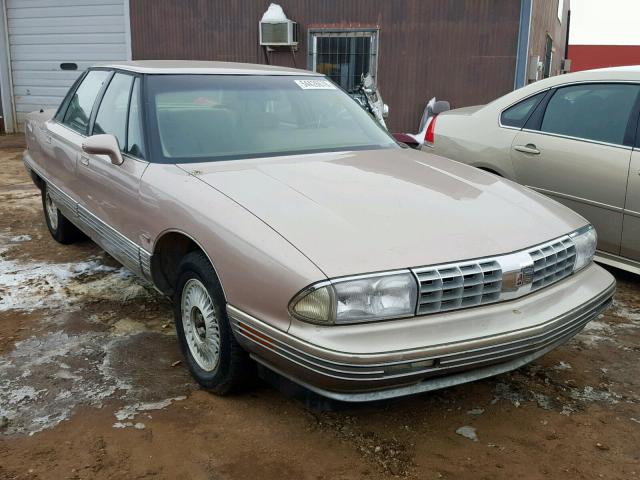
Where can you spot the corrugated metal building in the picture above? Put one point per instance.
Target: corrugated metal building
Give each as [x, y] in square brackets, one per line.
[466, 51]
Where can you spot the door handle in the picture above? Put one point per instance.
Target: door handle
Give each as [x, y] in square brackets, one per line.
[529, 148]
[84, 160]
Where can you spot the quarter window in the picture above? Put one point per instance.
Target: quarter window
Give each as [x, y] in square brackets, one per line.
[518, 114]
[597, 112]
[112, 114]
[79, 110]
[344, 55]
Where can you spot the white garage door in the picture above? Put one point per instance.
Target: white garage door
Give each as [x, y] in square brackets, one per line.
[45, 34]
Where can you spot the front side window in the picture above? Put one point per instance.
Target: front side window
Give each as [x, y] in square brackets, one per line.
[597, 112]
[79, 110]
[135, 144]
[344, 55]
[217, 117]
[112, 113]
[518, 114]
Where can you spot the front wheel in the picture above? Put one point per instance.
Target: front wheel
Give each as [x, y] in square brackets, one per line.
[61, 229]
[212, 354]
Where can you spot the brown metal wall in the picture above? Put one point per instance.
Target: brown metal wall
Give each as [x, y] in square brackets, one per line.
[460, 50]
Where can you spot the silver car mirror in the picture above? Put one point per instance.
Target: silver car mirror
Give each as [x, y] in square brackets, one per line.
[104, 144]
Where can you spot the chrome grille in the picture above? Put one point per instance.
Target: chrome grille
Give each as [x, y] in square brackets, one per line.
[459, 285]
[450, 287]
[552, 262]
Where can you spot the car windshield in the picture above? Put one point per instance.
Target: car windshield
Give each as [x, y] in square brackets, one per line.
[197, 118]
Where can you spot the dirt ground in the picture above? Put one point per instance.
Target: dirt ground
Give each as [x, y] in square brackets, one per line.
[91, 387]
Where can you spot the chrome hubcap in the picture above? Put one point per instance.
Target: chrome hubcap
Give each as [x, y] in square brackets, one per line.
[52, 211]
[200, 325]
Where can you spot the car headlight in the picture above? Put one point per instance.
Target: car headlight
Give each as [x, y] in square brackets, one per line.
[358, 299]
[585, 241]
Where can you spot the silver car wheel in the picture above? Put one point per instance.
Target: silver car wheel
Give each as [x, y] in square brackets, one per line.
[51, 211]
[200, 325]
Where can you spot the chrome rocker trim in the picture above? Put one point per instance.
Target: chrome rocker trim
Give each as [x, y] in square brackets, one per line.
[127, 252]
[356, 378]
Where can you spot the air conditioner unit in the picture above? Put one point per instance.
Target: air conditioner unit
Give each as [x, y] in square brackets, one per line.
[274, 34]
[566, 65]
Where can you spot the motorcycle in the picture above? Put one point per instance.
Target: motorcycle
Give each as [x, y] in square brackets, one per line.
[367, 95]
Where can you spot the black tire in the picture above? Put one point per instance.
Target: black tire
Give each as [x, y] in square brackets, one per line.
[60, 228]
[234, 369]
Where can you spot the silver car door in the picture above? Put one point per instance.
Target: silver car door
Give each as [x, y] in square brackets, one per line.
[576, 148]
[110, 193]
[631, 223]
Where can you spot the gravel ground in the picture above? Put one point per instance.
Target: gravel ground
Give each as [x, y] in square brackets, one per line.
[91, 386]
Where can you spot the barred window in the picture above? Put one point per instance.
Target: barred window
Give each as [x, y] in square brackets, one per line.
[344, 55]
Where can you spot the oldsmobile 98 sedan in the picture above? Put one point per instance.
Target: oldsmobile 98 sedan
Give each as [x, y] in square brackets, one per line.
[291, 230]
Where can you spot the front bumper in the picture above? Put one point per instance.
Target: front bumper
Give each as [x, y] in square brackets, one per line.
[531, 326]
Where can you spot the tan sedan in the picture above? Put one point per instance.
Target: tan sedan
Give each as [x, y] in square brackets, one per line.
[289, 229]
[573, 138]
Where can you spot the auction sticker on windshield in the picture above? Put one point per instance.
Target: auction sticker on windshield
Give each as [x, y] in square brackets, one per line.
[316, 84]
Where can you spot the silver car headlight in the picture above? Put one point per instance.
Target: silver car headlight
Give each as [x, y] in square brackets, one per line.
[585, 241]
[358, 299]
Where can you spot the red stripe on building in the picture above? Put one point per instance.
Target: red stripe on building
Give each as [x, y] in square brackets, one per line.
[585, 57]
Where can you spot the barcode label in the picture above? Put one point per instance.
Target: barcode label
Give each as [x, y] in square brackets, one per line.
[315, 84]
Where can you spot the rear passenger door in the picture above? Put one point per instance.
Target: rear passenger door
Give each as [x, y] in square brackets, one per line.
[109, 193]
[576, 148]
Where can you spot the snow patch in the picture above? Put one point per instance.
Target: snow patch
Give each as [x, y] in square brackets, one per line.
[468, 432]
[130, 411]
[274, 14]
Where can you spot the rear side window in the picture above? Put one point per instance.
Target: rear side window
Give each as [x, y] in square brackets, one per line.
[79, 110]
[518, 114]
[597, 112]
[112, 114]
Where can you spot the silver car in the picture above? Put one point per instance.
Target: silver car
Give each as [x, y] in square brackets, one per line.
[573, 138]
[291, 230]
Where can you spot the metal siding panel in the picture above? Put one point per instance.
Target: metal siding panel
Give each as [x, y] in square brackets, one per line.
[19, 11]
[70, 23]
[45, 33]
[33, 38]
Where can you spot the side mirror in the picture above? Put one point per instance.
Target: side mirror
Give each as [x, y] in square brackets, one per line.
[103, 145]
[385, 110]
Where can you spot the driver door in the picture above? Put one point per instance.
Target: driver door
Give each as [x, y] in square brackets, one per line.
[110, 193]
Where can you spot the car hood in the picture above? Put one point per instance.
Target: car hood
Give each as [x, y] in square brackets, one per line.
[367, 211]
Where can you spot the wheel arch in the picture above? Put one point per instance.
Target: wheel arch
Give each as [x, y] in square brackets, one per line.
[168, 250]
[490, 169]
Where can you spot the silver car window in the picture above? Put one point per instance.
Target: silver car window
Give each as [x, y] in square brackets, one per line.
[517, 115]
[112, 113]
[597, 112]
[79, 110]
[135, 143]
[217, 117]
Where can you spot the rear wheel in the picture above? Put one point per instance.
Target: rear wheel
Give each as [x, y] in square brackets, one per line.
[212, 354]
[61, 229]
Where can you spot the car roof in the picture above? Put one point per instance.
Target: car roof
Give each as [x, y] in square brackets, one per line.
[620, 74]
[610, 74]
[204, 67]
